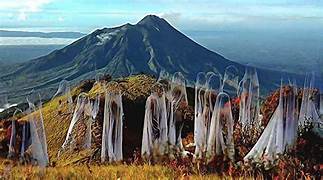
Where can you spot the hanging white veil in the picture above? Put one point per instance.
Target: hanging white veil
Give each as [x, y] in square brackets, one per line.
[155, 139]
[112, 132]
[200, 89]
[230, 83]
[220, 141]
[64, 90]
[178, 98]
[37, 131]
[249, 110]
[82, 105]
[280, 133]
[13, 136]
[308, 112]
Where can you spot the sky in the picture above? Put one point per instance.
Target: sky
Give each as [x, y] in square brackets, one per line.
[199, 15]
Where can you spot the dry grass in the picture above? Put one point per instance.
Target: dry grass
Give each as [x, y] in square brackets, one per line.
[88, 172]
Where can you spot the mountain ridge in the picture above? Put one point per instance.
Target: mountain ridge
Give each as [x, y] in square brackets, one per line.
[150, 46]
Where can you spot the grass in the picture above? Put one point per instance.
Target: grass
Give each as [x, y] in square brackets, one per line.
[89, 172]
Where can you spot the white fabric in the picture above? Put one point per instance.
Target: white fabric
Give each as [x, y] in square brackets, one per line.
[177, 97]
[38, 136]
[280, 133]
[13, 140]
[249, 110]
[218, 141]
[200, 88]
[230, 83]
[154, 139]
[64, 90]
[82, 109]
[112, 128]
[309, 111]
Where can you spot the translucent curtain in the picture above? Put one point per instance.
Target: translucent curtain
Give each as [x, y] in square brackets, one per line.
[280, 133]
[178, 98]
[248, 93]
[37, 133]
[155, 139]
[230, 83]
[220, 141]
[13, 136]
[199, 134]
[78, 116]
[64, 90]
[112, 127]
[309, 111]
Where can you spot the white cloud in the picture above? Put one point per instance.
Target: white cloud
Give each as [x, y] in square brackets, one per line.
[60, 19]
[23, 7]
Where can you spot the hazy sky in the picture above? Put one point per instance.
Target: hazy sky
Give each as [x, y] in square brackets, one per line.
[86, 15]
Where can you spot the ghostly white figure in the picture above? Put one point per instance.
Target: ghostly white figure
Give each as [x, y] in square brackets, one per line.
[13, 136]
[280, 133]
[308, 112]
[112, 127]
[82, 111]
[200, 88]
[37, 133]
[176, 122]
[213, 88]
[91, 110]
[64, 90]
[230, 83]
[220, 141]
[204, 105]
[154, 139]
[249, 100]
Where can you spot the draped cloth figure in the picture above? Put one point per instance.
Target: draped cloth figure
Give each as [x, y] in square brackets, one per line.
[37, 134]
[280, 133]
[177, 99]
[249, 100]
[112, 128]
[14, 133]
[80, 118]
[220, 140]
[309, 112]
[64, 91]
[154, 139]
[230, 82]
[206, 89]
[199, 135]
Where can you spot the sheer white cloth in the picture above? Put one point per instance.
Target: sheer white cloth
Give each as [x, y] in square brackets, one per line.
[64, 90]
[308, 112]
[155, 139]
[220, 140]
[199, 130]
[178, 97]
[81, 112]
[280, 133]
[13, 136]
[249, 110]
[112, 128]
[37, 134]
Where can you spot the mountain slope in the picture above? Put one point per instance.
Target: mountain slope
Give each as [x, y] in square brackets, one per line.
[149, 46]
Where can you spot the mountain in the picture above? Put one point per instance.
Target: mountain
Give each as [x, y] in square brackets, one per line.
[4, 33]
[149, 46]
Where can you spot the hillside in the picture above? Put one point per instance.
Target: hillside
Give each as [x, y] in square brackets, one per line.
[57, 118]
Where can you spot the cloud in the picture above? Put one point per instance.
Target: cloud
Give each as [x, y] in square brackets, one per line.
[24, 7]
[60, 19]
[173, 17]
